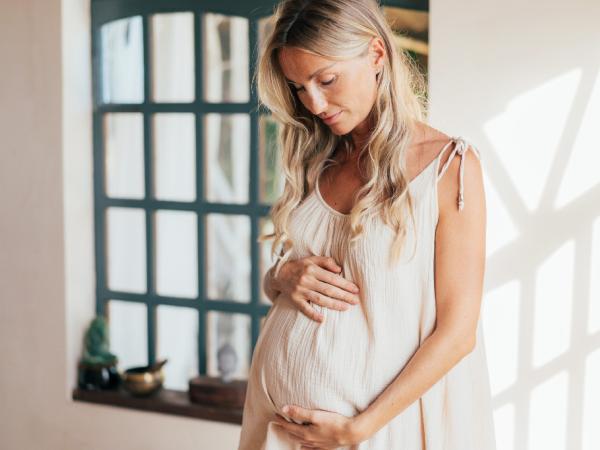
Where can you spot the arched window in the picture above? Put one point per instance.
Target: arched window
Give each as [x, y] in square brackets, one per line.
[186, 168]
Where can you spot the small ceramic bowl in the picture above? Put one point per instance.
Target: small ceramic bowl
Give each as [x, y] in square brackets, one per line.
[143, 380]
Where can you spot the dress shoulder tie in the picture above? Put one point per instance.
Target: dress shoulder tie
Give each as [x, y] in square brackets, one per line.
[460, 148]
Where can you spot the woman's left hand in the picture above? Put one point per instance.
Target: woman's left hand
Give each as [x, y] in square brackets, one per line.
[321, 429]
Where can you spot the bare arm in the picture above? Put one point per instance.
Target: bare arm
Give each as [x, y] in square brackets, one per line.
[270, 286]
[459, 272]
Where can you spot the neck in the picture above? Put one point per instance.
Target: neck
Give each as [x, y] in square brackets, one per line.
[360, 134]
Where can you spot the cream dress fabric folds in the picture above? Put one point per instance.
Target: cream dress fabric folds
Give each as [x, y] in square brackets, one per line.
[343, 364]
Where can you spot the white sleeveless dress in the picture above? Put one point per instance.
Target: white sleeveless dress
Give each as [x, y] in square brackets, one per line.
[344, 363]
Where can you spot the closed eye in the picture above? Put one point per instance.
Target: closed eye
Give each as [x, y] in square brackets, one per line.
[324, 83]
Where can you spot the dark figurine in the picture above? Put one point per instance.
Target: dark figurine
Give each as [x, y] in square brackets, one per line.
[97, 366]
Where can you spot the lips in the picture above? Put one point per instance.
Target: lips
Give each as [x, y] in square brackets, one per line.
[332, 118]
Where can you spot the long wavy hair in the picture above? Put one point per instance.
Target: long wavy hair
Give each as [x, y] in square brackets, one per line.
[340, 30]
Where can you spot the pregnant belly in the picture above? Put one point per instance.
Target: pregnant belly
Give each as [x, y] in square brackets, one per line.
[315, 365]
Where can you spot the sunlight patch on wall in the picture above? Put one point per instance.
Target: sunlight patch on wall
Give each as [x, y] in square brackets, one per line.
[548, 414]
[594, 299]
[581, 171]
[501, 317]
[527, 134]
[591, 406]
[553, 305]
[504, 426]
[501, 228]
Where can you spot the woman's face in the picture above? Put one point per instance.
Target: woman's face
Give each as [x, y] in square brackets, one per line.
[345, 90]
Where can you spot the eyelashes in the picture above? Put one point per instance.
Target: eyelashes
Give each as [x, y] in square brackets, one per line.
[324, 83]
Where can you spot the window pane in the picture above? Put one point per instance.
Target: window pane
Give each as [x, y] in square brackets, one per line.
[226, 60]
[128, 333]
[124, 155]
[227, 157]
[266, 226]
[177, 340]
[175, 156]
[126, 249]
[411, 33]
[228, 257]
[173, 72]
[122, 61]
[228, 339]
[271, 175]
[176, 254]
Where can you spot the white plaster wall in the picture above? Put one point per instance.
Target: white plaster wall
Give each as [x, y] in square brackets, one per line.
[520, 80]
[45, 195]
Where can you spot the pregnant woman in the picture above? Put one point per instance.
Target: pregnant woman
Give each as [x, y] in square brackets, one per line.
[374, 339]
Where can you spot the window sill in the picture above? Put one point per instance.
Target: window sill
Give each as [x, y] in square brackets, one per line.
[166, 401]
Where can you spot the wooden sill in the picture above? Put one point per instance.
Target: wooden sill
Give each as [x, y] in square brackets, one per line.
[166, 401]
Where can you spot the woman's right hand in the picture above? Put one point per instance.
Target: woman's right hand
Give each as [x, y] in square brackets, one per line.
[316, 279]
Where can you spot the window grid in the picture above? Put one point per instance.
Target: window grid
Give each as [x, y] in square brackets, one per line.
[253, 209]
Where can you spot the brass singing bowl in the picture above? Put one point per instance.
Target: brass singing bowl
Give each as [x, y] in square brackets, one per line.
[142, 380]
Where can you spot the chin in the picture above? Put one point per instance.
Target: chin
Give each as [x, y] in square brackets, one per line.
[339, 129]
[336, 131]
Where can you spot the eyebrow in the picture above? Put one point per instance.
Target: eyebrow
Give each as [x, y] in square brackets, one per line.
[315, 73]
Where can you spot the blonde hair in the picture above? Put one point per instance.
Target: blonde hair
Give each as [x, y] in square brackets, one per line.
[339, 30]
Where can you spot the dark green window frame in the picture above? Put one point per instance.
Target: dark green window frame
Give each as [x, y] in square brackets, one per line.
[104, 11]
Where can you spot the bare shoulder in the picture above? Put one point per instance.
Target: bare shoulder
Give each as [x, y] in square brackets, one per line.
[427, 144]
[461, 198]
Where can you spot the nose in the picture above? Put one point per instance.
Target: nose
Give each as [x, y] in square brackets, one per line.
[316, 102]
